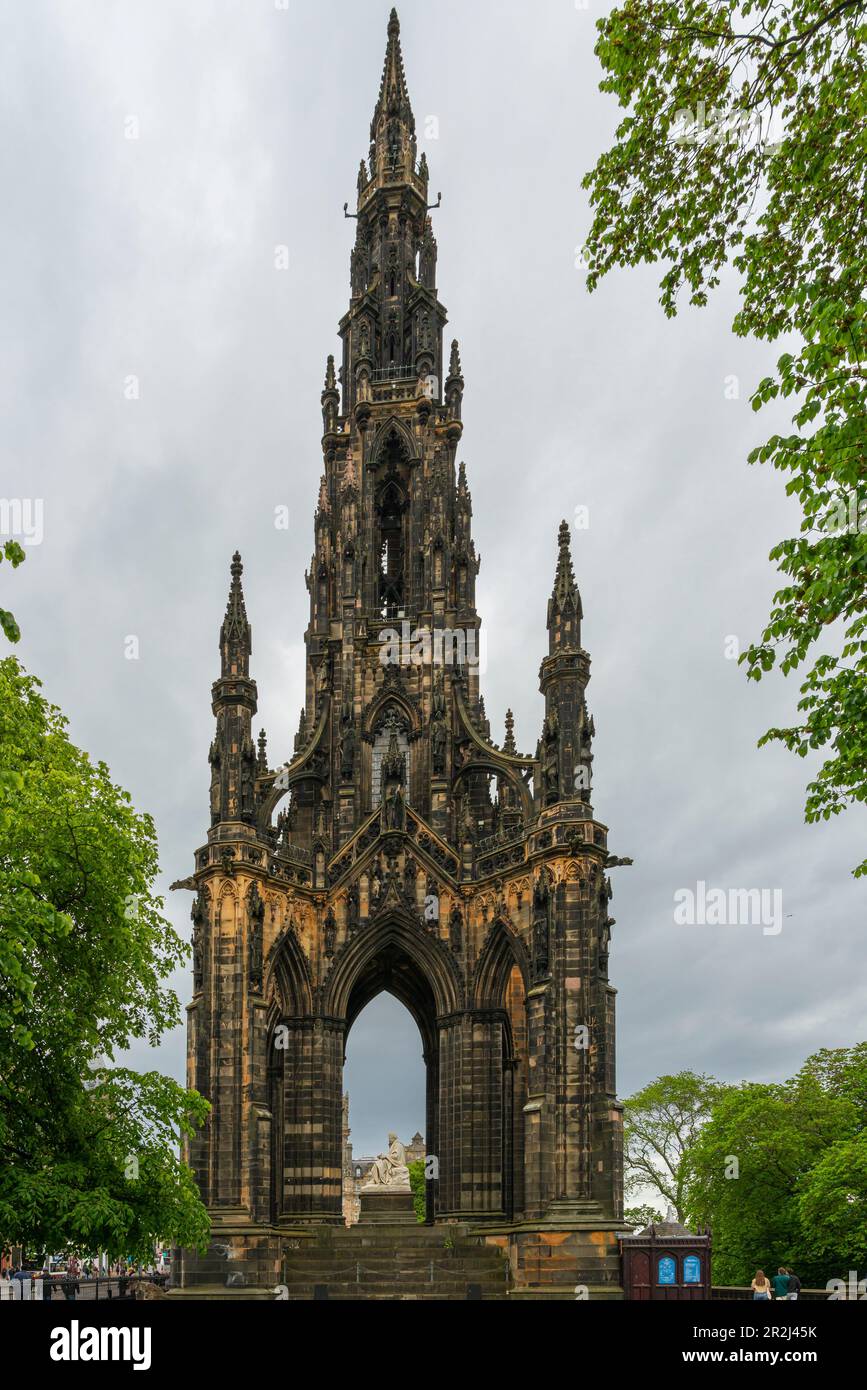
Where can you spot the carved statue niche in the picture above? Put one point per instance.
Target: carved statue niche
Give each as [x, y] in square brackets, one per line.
[456, 928]
[330, 925]
[469, 828]
[438, 740]
[256, 917]
[427, 257]
[410, 874]
[215, 758]
[348, 745]
[376, 883]
[394, 809]
[353, 919]
[199, 914]
[431, 902]
[393, 769]
[438, 707]
[541, 924]
[358, 265]
[248, 775]
[551, 758]
[604, 943]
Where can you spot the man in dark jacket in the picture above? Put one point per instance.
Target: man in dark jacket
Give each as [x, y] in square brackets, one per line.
[780, 1282]
[794, 1285]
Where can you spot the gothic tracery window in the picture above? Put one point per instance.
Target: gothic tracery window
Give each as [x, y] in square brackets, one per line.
[390, 730]
[391, 510]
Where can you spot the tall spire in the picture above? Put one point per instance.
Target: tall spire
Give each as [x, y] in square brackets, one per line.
[393, 92]
[235, 633]
[564, 606]
[233, 701]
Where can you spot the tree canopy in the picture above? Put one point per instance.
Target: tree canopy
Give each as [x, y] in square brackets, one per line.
[89, 1147]
[743, 144]
[660, 1126]
[10, 550]
[780, 1172]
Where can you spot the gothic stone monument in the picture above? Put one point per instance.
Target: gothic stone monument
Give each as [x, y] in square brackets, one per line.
[400, 847]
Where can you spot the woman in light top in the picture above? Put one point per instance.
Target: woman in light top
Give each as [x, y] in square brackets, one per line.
[761, 1285]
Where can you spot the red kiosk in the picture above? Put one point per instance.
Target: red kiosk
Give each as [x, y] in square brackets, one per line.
[666, 1261]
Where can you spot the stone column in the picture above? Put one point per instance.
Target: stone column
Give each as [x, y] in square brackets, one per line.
[310, 1153]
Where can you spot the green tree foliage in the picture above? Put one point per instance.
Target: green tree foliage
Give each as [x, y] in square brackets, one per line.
[780, 1173]
[416, 1182]
[11, 551]
[660, 1126]
[744, 143]
[89, 1149]
[641, 1217]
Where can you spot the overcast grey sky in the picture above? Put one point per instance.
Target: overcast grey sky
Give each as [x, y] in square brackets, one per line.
[154, 257]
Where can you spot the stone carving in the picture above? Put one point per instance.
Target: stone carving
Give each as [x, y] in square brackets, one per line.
[215, 759]
[541, 927]
[199, 914]
[347, 753]
[438, 748]
[330, 933]
[394, 808]
[256, 912]
[376, 883]
[456, 929]
[248, 775]
[389, 1169]
[352, 908]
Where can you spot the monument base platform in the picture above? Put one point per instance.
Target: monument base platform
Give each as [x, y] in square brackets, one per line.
[387, 1206]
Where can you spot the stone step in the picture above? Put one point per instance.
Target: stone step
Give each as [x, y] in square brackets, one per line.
[391, 1269]
[394, 1263]
[443, 1292]
[390, 1235]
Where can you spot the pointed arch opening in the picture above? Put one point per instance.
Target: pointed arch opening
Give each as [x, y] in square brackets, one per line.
[501, 990]
[385, 1089]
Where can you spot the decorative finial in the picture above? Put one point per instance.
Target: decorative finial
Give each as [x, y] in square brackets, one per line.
[509, 745]
[349, 478]
[564, 583]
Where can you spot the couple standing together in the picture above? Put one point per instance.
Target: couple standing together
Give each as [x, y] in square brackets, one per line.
[785, 1284]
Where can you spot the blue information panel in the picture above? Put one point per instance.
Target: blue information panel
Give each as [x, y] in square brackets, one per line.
[666, 1270]
[692, 1269]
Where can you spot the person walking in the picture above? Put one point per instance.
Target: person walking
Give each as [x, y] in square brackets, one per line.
[781, 1283]
[761, 1286]
[794, 1286]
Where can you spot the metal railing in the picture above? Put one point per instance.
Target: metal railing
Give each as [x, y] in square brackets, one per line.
[36, 1286]
[393, 374]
